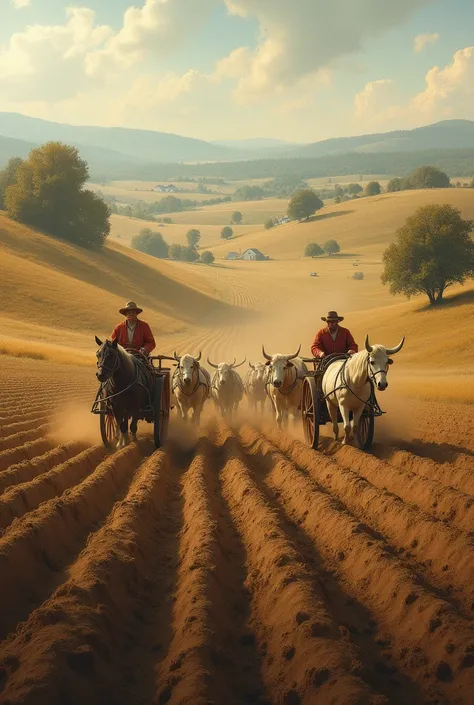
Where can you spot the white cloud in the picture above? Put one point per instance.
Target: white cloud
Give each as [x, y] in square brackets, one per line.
[20, 3]
[422, 40]
[303, 36]
[374, 100]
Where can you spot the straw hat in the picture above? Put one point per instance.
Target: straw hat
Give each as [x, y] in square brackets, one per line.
[332, 316]
[130, 306]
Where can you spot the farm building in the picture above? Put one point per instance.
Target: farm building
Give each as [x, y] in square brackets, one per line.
[233, 255]
[253, 254]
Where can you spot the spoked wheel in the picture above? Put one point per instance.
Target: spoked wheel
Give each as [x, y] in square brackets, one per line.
[311, 412]
[161, 410]
[109, 429]
[365, 430]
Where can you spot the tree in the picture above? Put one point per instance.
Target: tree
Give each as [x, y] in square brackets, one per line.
[395, 184]
[354, 189]
[373, 188]
[48, 194]
[226, 233]
[236, 217]
[338, 191]
[189, 254]
[175, 251]
[270, 223]
[337, 199]
[303, 204]
[151, 243]
[428, 177]
[8, 177]
[330, 247]
[312, 249]
[193, 236]
[433, 250]
[207, 257]
[249, 193]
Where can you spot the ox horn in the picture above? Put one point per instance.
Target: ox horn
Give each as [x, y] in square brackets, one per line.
[368, 347]
[240, 365]
[178, 359]
[196, 359]
[251, 366]
[267, 357]
[212, 364]
[292, 357]
[392, 351]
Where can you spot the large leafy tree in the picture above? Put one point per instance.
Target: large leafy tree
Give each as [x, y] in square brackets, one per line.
[152, 243]
[193, 236]
[8, 177]
[48, 194]
[434, 250]
[428, 177]
[373, 188]
[312, 249]
[303, 204]
[226, 233]
[331, 247]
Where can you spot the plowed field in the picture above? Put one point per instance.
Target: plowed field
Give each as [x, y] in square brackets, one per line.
[234, 566]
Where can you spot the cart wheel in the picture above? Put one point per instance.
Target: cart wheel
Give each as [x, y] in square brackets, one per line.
[161, 411]
[365, 430]
[109, 429]
[311, 412]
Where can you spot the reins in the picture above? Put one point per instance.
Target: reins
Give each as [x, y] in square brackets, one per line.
[370, 378]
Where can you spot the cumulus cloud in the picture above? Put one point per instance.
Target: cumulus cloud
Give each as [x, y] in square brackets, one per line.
[20, 3]
[303, 36]
[422, 40]
[375, 98]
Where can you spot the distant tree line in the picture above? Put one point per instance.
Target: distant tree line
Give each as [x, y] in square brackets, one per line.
[168, 204]
[457, 162]
[46, 191]
[330, 247]
[152, 243]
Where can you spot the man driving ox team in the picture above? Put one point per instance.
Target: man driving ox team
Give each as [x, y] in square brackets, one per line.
[333, 338]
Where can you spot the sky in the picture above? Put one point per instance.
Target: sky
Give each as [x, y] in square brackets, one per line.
[295, 70]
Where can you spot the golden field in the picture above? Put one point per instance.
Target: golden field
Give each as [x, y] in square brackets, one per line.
[56, 297]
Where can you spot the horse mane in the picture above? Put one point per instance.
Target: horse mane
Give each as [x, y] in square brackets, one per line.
[126, 357]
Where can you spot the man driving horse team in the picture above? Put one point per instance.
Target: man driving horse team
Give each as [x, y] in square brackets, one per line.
[133, 333]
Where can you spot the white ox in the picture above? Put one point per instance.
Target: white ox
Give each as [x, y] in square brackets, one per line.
[284, 384]
[255, 385]
[190, 384]
[348, 384]
[227, 388]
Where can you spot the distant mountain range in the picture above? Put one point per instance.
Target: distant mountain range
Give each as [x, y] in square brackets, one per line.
[111, 150]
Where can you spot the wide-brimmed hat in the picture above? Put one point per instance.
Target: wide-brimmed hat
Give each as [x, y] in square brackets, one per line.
[130, 306]
[332, 316]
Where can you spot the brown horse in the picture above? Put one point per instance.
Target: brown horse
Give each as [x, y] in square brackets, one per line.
[127, 384]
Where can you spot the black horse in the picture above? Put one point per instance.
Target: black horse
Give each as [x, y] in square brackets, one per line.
[128, 384]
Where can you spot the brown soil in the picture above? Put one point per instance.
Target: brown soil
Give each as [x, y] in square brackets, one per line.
[235, 567]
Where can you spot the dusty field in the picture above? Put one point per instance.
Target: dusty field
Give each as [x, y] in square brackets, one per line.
[234, 566]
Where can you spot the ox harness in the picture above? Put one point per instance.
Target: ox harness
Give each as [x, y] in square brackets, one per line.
[372, 401]
[176, 382]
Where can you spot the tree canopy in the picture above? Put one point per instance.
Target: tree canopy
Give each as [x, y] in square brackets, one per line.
[193, 236]
[395, 184]
[428, 177]
[207, 257]
[303, 204]
[433, 250]
[226, 233]
[236, 217]
[48, 194]
[312, 249]
[354, 189]
[331, 247]
[8, 177]
[151, 243]
[373, 188]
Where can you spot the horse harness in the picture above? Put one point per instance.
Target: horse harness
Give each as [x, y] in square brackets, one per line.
[176, 382]
[372, 401]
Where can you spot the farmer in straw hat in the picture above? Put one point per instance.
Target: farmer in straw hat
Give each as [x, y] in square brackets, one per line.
[333, 338]
[133, 333]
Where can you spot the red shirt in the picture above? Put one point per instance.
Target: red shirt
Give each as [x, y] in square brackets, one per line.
[142, 336]
[323, 343]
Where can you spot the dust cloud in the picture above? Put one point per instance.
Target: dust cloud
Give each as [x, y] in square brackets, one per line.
[76, 423]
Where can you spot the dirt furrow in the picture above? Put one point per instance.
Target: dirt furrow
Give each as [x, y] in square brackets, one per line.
[23, 437]
[27, 451]
[445, 503]
[446, 554]
[306, 660]
[12, 428]
[37, 547]
[210, 657]
[25, 416]
[83, 644]
[456, 475]
[28, 469]
[432, 642]
[26, 496]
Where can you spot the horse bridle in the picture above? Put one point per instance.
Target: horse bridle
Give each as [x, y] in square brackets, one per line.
[110, 370]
